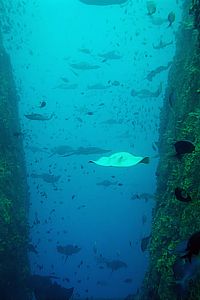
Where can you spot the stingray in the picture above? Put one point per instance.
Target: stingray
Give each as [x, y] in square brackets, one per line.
[103, 2]
[120, 159]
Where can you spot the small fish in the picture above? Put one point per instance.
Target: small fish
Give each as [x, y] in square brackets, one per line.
[98, 86]
[42, 104]
[32, 248]
[115, 265]
[162, 45]
[128, 280]
[85, 50]
[39, 117]
[106, 183]
[181, 195]
[111, 55]
[184, 273]
[183, 147]
[193, 246]
[144, 243]
[84, 66]
[171, 18]
[64, 79]
[151, 7]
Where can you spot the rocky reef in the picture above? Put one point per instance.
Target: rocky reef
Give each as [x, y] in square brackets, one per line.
[173, 220]
[14, 265]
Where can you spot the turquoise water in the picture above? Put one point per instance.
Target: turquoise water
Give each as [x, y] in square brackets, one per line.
[44, 40]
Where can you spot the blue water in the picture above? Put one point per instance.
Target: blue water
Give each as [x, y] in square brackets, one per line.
[46, 38]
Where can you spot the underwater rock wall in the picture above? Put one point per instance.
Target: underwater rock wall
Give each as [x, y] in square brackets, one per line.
[13, 191]
[175, 221]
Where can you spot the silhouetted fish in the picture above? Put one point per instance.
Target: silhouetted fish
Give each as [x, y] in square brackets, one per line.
[183, 147]
[44, 289]
[144, 243]
[115, 265]
[39, 117]
[110, 55]
[193, 246]
[184, 272]
[181, 195]
[88, 151]
[50, 178]
[106, 183]
[68, 250]
[61, 150]
[84, 66]
[157, 71]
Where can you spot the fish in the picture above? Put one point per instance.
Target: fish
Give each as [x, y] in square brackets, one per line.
[61, 150]
[44, 288]
[115, 265]
[85, 50]
[111, 55]
[64, 79]
[151, 7]
[68, 250]
[120, 159]
[144, 243]
[162, 45]
[171, 18]
[128, 280]
[84, 66]
[145, 196]
[115, 83]
[103, 2]
[157, 71]
[146, 93]
[42, 104]
[66, 86]
[39, 117]
[88, 151]
[181, 195]
[32, 248]
[184, 272]
[98, 86]
[106, 183]
[102, 283]
[193, 246]
[184, 147]
[50, 178]
[35, 149]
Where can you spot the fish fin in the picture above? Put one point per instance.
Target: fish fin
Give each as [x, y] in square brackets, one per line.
[68, 154]
[145, 160]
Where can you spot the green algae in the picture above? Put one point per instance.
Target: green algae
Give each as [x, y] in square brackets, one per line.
[14, 265]
[174, 221]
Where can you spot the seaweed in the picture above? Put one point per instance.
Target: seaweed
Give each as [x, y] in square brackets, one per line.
[174, 221]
